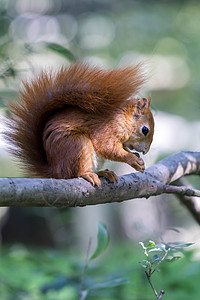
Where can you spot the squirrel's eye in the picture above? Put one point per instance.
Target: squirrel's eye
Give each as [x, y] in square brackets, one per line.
[145, 130]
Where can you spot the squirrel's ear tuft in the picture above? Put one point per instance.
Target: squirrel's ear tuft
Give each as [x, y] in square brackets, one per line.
[143, 104]
[149, 99]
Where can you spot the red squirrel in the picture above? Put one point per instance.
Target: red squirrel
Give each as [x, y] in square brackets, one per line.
[66, 123]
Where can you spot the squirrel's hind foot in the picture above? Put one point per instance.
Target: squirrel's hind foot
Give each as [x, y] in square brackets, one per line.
[110, 175]
[92, 177]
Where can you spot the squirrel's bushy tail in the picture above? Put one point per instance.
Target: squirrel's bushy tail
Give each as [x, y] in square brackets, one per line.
[91, 89]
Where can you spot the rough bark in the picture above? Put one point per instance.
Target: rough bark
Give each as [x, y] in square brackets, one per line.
[155, 180]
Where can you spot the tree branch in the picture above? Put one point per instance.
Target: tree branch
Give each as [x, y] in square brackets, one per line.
[78, 192]
[191, 203]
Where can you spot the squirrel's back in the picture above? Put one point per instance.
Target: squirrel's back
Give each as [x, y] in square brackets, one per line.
[90, 89]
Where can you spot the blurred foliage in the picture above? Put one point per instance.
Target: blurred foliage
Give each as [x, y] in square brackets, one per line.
[111, 33]
[9, 169]
[52, 274]
[61, 50]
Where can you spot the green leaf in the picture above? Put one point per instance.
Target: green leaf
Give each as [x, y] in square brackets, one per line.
[145, 264]
[157, 270]
[177, 245]
[151, 244]
[156, 258]
[171, 260]
[158, 247]
[102, 240]
[61, 50]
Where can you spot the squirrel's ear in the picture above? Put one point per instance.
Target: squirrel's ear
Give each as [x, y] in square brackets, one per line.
[144, 103]
[149, 100]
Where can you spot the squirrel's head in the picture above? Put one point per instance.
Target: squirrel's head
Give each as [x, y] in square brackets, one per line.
[142, 127]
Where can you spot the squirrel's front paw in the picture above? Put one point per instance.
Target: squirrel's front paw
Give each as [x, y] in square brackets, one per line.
[138, 163]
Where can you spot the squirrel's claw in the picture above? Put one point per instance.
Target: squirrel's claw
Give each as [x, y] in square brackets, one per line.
[139, 165]
[92, 177]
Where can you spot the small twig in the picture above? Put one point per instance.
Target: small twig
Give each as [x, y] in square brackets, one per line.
[181, 190]
[161, 295]
[151, 284]
[150, 273]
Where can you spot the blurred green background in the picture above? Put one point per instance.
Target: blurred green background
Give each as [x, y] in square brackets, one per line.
[47, 34]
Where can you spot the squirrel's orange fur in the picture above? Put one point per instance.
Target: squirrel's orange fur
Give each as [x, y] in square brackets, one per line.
[65, 123]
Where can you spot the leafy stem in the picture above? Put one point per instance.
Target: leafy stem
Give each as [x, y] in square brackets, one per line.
[150, 273]
[161, 260]
[163, 252]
